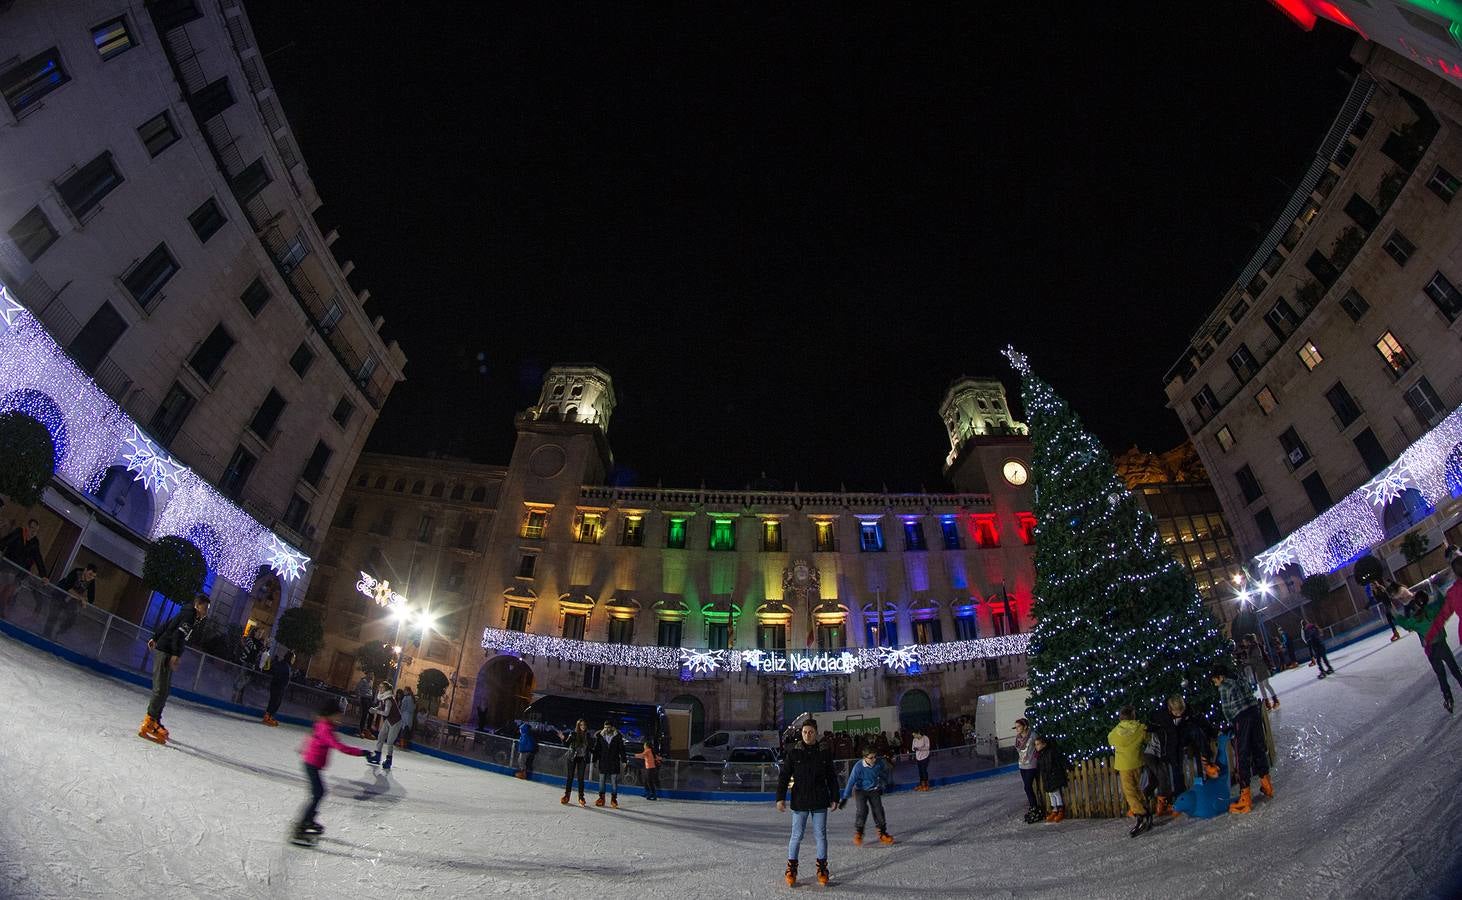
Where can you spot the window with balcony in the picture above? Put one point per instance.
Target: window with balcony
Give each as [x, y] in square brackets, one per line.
[1424, 403]
[966, 627]
[1225, 438]
[928, 631]
[1309, 354]
[1248, 484]
[169, 417]
[236, 475]
[718, 636]
[314, 471]
[534, 520]
[889, 635]
[255, 296]
[588, 527]
[1398, 247]
[210, 354]
[1445, 296]
[914, 536]
[829, 636]
[266, 418]
[1372, 454]
[621, 631]
[526, 564]
[1319, 495]
[1354, 305]
[212, 99]
[675, 533]
[573, 625]
[146, 280]
[667, 633]
[97, 337]
[112, 38]
[771, 536]
[517, 618]
[1444, 184]
[723, 534]
[771, 636]
[1346, 409]
[1281, 319]
[85, 188]
[949, 530]
[870, 537]
[26, 83]
[632, 533]
[157, 133]
[824, 537]
[296, 513]
[1265, 400]
[1243, 363]
[1294, 449]
[987, 536]
[1395, 355]
[1206, 403]
[33, 234]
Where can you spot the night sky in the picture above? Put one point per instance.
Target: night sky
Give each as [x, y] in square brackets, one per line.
[784, 232]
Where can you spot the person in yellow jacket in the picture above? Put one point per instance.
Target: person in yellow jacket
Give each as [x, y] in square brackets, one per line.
[1127, 739]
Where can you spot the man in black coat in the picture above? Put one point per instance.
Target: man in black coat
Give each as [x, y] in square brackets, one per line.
[610, 757]
[808, 769]
[1181, 732]
[168, 643]
[22, 546]
[279, 672]
[79, 583]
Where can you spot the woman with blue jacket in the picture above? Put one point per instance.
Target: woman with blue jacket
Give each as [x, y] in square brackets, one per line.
[869, 777]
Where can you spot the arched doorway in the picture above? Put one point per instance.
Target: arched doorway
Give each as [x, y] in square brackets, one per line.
[1408, 508]
[504, 689]
[126, 500]
[697, 716]
[916, 710]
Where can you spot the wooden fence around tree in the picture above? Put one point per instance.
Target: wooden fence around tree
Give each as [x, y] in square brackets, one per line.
[1094, 789]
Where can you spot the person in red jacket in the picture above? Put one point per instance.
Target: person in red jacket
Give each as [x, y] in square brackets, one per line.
[315, 753]
[1450, 606]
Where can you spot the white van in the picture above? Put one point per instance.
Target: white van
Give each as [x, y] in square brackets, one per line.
[718, 744]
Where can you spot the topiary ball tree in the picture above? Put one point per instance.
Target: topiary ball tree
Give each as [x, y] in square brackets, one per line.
[431, 687]
[27, 458]
[376, 659]
[300, 630]
[175, 568]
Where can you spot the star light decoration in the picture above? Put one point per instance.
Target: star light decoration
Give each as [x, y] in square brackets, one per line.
[10, 308]
[150, 466]
[1018, 361]
[898, 657]
[287, 562]
[1432, 466]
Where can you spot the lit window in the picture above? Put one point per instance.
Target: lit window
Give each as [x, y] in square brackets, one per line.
[1226, 437]
[534, 521]
[1266, 401]
[771, 536]
[1026, 523]
[826, 541]
[24, 84]
[1395, 355]
[517, 618]
[1310, 355]
[588, 527]
[870, 536]
[723, 534]
[675, 534]
[112, 38]
[950, 530]
[573, 626]
[914, 536]
[634, 532]
[982, 525]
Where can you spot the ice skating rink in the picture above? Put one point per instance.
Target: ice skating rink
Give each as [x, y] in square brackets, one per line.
[1367, 807]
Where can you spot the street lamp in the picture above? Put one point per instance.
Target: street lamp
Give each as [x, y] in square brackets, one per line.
[400, 610]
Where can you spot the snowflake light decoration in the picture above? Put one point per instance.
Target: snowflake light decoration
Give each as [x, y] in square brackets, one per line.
[9, 307]
[1391, 483]
[898, 657]
[1276, 558]
[702, 661]
[287, 562]
[150, 465]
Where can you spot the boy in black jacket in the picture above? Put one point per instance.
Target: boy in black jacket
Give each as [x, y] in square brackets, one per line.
[808, 768]
[168, 643]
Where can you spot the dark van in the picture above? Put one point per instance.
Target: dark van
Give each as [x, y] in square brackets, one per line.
[638, 721]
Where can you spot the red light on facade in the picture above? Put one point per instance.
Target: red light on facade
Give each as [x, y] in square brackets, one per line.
[1026, 522]
[983, 530]
[1298, 11]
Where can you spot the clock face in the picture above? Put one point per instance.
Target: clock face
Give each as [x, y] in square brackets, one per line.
[1015, 472]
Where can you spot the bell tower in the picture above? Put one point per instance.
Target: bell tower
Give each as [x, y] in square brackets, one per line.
[576, 394]
[973, 408]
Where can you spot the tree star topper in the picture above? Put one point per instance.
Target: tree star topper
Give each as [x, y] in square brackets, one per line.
[1018, 360]
[149, 465]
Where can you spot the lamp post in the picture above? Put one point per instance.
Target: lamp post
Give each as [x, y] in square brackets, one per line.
[400, 607]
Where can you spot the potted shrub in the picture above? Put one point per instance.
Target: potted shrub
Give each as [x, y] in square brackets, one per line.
[27, 458]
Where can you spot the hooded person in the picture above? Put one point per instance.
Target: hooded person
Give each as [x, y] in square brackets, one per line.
[610, 757]
[1127, 739]
[527, 749]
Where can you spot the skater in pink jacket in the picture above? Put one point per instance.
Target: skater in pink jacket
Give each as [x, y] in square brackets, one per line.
[315, 753]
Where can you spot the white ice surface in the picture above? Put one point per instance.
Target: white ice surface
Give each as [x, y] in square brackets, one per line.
[1366, 808]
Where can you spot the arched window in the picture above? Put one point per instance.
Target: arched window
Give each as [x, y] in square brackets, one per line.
[558, 391]
[418, 487]
[399, 486]
[577, 392]
[479, 494]
[436, 489]
[380, 482]
[457, 491]
[550, 414]
[363, 480]
[571, 414]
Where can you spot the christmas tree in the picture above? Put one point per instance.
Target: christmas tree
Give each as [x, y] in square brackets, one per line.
[1118, 620]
